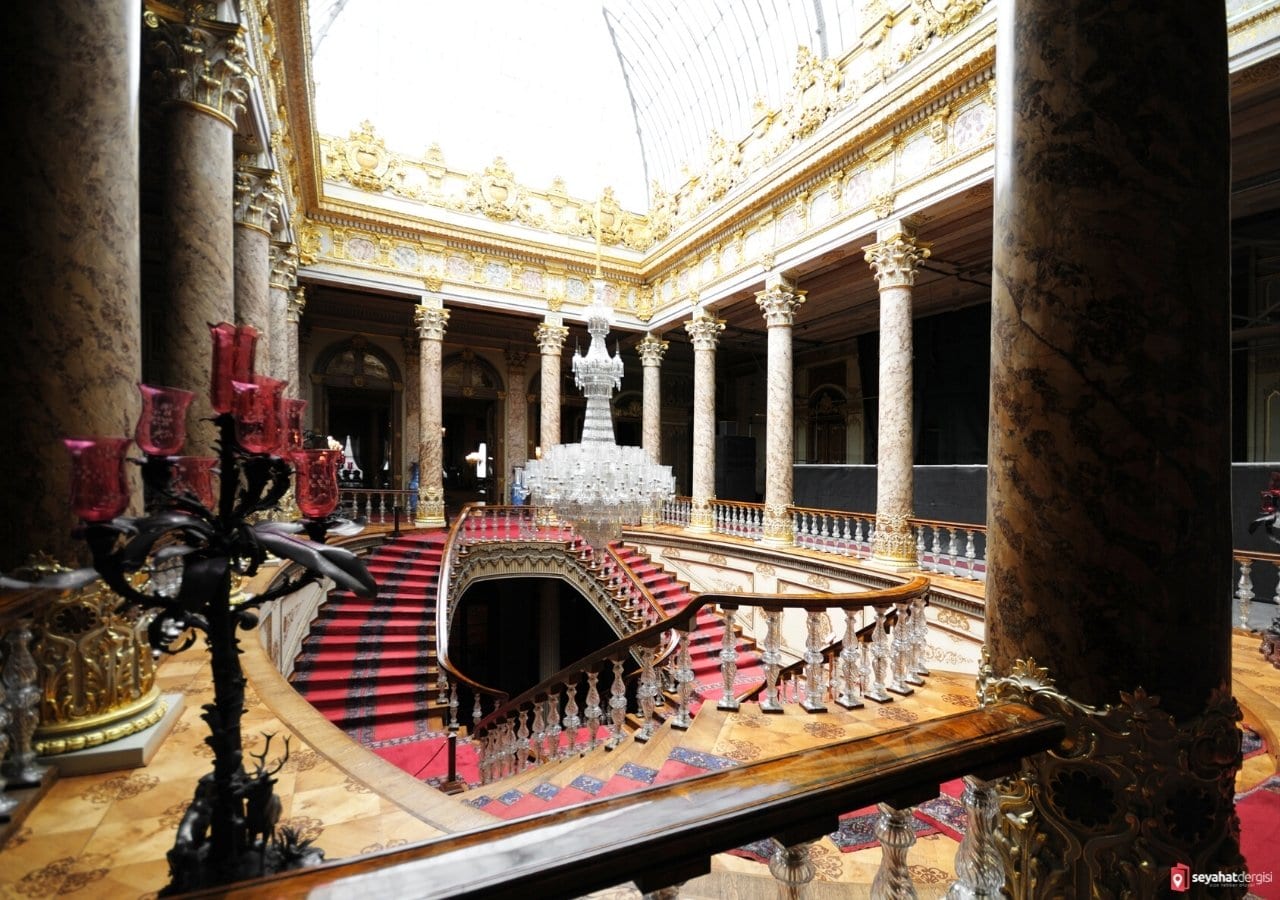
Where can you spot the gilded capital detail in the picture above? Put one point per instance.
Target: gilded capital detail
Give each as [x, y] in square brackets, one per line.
[297, 303]
[550, 337]
[651, 349]
[284, 266]
[1129, 793]
[431, 322]
[780, 303]
[258, 198]
[704, 332]
[895, 259]
[516, 360]
[203, 62]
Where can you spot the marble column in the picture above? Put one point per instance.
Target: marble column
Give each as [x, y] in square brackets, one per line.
[550, 336]
[704, 331]
[431, 324]
[257, 211]
[1109, 495]
[412, 398]
[651, 351]
[517, 418]
[297, 302]
[73, 306]
[205, 69]
[779, 302]
[894, 258]
[283, 282]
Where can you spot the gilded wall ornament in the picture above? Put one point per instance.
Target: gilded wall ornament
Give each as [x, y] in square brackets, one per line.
[365, 160]
[1129, 792]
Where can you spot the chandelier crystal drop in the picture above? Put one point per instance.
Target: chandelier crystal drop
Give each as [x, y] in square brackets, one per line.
[596, 484]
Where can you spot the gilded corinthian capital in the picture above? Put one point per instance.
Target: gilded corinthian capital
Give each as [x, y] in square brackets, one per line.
[202, 62]
[895, 257]
[258, 198]
[651, 350]
[550, 337]
[431, 322]
[779, 301]
[704, 331]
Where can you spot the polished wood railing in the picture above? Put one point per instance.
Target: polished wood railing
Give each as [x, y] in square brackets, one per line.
[667, 834]
[548, 723]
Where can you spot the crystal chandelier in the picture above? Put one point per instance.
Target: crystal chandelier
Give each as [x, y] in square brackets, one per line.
[596, 484]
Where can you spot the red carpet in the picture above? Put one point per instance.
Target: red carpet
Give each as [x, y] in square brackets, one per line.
[1259, 812]
[368, 663]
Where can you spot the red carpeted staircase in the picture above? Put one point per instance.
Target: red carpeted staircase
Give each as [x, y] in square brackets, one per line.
[369, 663]
[704, 649]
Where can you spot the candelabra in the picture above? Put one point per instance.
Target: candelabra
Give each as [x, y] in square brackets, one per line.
[178, 561]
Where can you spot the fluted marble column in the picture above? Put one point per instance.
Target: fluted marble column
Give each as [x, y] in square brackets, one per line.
[257, 211]
[779, 302]
[205, 67]
[431, 324]
[704, 330]
[1109, 496]
[894, 258]
[517, 420]
[550, 336]
[297, 302]
[651, 351]
[283, 282]
[73, 272]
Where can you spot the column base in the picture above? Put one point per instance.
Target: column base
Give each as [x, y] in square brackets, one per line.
[700, 516]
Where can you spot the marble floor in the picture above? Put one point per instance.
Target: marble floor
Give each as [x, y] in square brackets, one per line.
[106, 835]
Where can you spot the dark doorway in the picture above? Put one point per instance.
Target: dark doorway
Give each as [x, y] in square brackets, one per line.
[468, 424]
[365, 417]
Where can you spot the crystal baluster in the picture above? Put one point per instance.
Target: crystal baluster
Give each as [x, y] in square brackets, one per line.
[553, 725]
[1244, 589]
[453, 706]
[617, 705]
[7, 803]
[772, 657]
[477, 712]
[850, 696]
[593, 711]
[919, 638]
[879, 658]
[572, 722]
[539, 731]
[728, 660]
[23, 698]
[792, 868]
[813, 681]
[920, 548]
[683, 676]
[979, 872]
[522, 741]
[645, 692]
[970, 555]
[900, 680]
[896, 834]
[951, 551]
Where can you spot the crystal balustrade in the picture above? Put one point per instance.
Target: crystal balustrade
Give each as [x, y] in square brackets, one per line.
[567, 714]
[377, 506]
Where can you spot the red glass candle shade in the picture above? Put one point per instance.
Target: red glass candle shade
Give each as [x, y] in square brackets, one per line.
[233, 348]
[194, 475]
[256, 408]
[291, 411]
[162, 427]
[316, 482]
[99, 486]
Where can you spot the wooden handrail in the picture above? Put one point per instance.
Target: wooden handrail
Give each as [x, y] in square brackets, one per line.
[668, 832]
[442, 613]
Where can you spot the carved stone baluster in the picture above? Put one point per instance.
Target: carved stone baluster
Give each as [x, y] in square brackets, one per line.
[893, 878]
[593, 711]
[1244, 589]
[553, 726]
[879, 659]
[617, 705]
[684, 681]
[792, 868]
[772, 657]
[572, 722]
[19, 678]
[919, 639]
[645, 693]
[979, 873]
[729, 660]
[901, 678]
[850, 667]
[813, 669]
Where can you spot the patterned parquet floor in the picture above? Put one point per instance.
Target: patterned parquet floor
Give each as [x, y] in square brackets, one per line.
[106, 835]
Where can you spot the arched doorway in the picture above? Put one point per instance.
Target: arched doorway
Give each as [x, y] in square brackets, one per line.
[359, 391]
[471, 389]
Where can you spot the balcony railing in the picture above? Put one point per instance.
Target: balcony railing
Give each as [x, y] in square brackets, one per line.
[376, 506]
